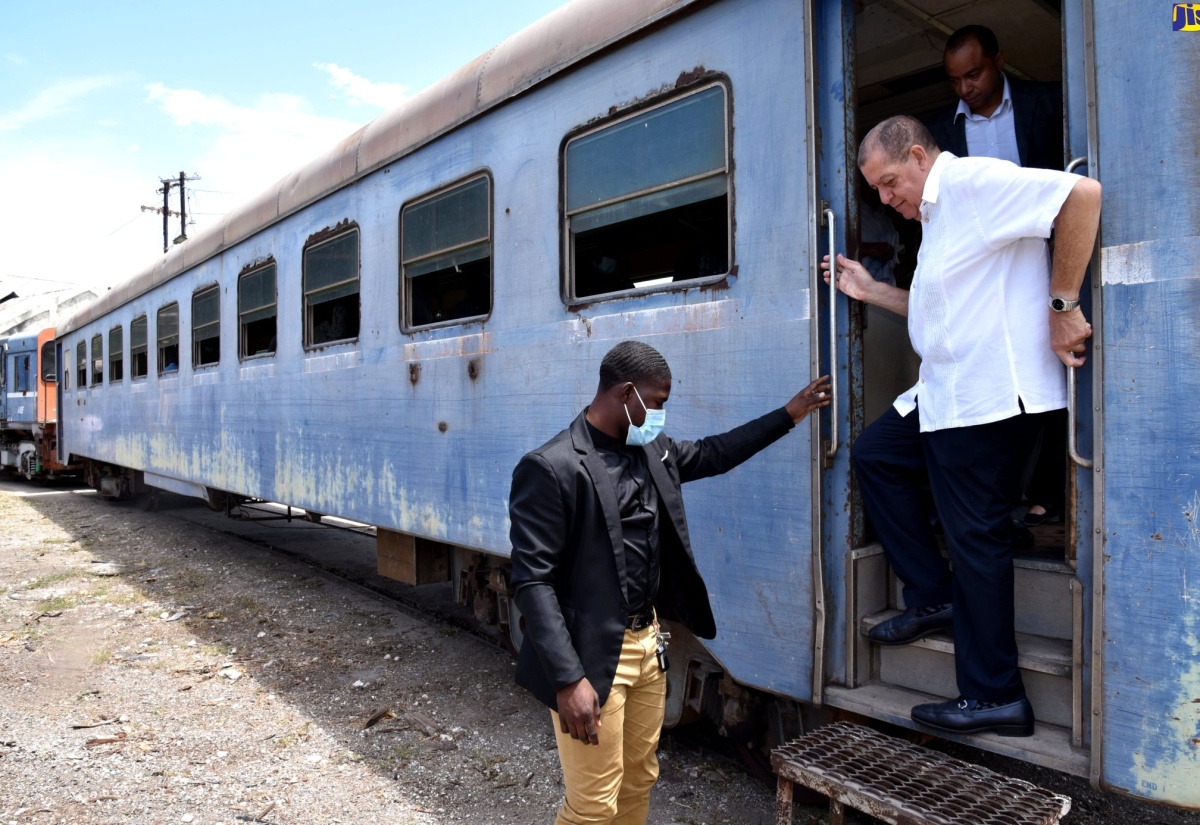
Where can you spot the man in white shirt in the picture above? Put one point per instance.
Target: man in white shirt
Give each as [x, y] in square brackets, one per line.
[992, 353]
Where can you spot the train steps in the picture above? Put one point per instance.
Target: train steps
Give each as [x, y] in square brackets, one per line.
[899, 782]
[885, 682]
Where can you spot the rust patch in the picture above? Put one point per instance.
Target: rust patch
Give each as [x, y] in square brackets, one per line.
[472, 369]
[721, 285]
[693, 77]
[330, 231]
[443, 426]
[696, 75]
[414, 373]
[257, 263]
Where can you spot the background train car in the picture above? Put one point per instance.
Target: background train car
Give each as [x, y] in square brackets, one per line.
[29, 406]
[381, 335]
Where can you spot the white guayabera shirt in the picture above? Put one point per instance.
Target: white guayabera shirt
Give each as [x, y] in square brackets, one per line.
[978, 310]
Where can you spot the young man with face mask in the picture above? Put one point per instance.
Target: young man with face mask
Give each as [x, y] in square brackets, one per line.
[600, 552]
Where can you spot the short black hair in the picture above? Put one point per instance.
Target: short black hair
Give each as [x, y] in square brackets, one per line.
[985, 37]
[632, 361]
[894, 137]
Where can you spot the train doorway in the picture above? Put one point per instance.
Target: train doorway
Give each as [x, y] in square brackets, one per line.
[893, 49]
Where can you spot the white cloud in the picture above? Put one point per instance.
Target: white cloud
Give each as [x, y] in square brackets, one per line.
[14, 59]
[248, 148]
[53, 101]
[359, 90]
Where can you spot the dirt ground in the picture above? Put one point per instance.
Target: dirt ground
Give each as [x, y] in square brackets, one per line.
[156, 668]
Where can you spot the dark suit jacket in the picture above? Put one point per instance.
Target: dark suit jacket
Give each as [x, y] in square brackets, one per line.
[568, 556]
[1037, 118]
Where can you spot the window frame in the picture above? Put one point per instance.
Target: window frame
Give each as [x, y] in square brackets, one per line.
[48, 348]
[96, 364]
[203, 292]
[158, 338]
[116, 355]
[81, 363]
[567, 279]
[249, 271]
[405, 292]
[306, 314]
[144, 349]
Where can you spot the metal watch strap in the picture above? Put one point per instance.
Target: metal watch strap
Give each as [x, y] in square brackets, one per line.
[1063, 304]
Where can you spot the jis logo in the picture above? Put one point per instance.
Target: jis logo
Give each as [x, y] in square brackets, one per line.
[1185, 17]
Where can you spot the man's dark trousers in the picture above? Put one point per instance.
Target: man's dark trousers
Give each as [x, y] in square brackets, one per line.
[975, 478]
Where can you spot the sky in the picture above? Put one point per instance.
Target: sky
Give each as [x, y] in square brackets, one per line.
[101, 100]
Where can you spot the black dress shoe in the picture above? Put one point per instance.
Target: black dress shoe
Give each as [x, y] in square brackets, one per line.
[914, 623]
[973, 716]
[1051, 515]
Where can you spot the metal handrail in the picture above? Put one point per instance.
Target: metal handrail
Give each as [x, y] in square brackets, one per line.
[832, 448]
[1072, 385]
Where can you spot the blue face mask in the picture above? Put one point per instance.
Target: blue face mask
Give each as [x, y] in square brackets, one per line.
[651, 427]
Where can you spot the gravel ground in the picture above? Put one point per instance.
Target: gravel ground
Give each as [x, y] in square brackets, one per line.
[155, 668]
[153, 671]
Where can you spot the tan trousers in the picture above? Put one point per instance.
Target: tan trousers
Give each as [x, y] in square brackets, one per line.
[610, 782]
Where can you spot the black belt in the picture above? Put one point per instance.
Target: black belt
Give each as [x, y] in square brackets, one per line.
[637, 621]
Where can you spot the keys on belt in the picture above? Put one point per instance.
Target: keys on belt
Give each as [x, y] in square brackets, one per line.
[638, 621]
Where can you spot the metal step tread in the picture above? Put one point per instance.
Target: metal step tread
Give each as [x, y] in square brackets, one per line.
[897, 781]
[1050, 746]
[1036, 653]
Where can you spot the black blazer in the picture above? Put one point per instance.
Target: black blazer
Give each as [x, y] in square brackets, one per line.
[1037, 118]
[568, 554]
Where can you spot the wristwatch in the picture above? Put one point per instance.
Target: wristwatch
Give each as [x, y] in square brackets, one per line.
[1063, 305]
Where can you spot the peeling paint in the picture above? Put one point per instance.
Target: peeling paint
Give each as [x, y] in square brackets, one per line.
[1167, 764]
[1149, 261]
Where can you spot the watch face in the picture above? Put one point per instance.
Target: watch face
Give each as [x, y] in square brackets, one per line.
[1059, 304]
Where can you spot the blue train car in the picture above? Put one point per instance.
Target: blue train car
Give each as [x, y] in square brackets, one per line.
[382, 334]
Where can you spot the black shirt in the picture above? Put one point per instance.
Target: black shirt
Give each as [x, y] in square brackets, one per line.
[637, 498]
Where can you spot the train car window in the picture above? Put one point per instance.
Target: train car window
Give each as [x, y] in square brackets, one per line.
[116, 354]
[97, 360]
[257, 312]
[81, 365]
[21, 374]
[446, 256]
[49, 362]
[168, 339]
[138, 362]
[206, 327]
[331, 291]
[647, 198]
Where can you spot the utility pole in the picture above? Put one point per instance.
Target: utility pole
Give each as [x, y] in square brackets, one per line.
[165, 209]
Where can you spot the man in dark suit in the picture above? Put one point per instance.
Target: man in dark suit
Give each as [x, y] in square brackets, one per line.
[997, 116]
[600, 552]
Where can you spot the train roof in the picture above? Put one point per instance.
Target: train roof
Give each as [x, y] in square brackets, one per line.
[22, 342]
[550, 46]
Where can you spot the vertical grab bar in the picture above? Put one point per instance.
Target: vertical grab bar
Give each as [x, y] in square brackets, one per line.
[832, 448]
[1072, 385]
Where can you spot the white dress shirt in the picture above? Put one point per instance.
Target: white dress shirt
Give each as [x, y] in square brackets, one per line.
[978, 310]
[995, 136]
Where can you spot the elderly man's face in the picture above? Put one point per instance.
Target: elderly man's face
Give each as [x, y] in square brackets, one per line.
[900, 183]
[976, 78]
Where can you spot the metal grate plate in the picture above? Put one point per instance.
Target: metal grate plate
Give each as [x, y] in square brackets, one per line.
[902, 783]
